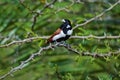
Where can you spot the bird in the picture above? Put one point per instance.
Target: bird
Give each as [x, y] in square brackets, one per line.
[62, 33]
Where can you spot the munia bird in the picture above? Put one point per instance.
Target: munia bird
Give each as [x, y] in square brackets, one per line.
[62, 33]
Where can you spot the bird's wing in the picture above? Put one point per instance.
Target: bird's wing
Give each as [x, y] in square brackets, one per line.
[55, 33]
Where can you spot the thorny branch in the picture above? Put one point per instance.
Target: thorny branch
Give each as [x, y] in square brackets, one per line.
[37, 13]
[2, 37]
[98, 16]
[46, 37]
[23, 64]
[40, 12]
[23, 41]
[66, 7]
[96, 37]
[22, 3]
[51, 46]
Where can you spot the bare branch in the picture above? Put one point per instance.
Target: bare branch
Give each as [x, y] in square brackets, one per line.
[96, 55]
[66, 7]
[23, 63]
[22, 3]
[2, 37]
[36, 13]
[26, 62]
[40, 12]
[96, 37]
[99, 15]
[23, 41]
[46, 37]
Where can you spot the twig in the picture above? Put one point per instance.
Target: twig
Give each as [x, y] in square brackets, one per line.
[100, 55]
[99, 15]
[66, 7]
[2, 37]
[25, 63]
[40, 12]
[22, 3]
[96, 55]
[36, 13]
[23, 41]
[96, 37]
[46, 37]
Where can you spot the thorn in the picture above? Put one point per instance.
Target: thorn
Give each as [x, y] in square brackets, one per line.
[91, 35]
[38, 11]
[33, 59]
[12, 68]
[105, 34]
[22, 62]
[109, 4]
[51, 47]
[83, 40]
[12, 75]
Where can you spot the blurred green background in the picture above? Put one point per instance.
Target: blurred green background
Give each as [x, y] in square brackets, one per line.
[60, 64]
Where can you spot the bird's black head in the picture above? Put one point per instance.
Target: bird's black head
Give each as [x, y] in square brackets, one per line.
[66, 25]
[66, 21]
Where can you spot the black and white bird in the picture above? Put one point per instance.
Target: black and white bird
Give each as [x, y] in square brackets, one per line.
[62, 33]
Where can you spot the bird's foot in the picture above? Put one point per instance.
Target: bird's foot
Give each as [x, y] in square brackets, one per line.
[56, 43]
[63, 42]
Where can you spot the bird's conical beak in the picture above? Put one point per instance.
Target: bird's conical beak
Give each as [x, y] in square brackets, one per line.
[63, 20]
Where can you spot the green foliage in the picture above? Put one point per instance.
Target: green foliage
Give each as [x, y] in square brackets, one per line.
[16, 22]
[104, 76]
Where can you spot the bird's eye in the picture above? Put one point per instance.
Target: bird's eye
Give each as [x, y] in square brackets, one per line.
[68, 26]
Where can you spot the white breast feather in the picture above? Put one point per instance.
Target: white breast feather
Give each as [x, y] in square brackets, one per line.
[69, 32]
[68, 26]
[59, 36]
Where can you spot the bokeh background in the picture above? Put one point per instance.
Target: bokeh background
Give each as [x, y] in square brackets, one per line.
[60, 64]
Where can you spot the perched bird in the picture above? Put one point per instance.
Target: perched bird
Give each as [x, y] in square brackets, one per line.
[62, 33]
